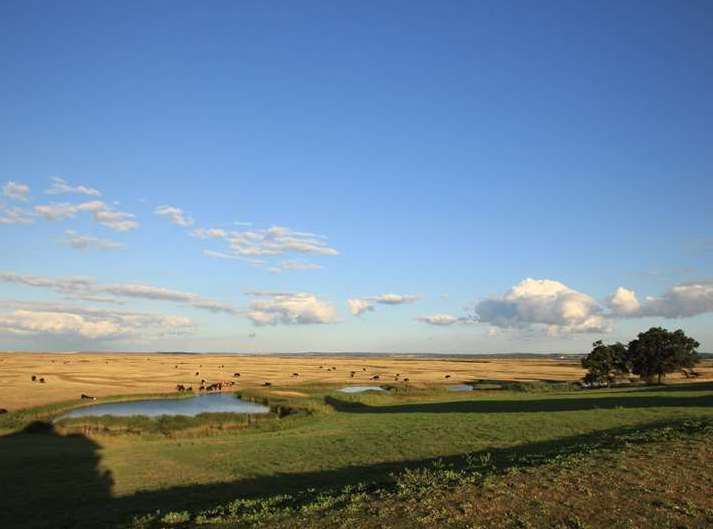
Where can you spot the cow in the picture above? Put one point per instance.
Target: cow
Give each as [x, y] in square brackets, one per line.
[198, 373]
[42, 380]
[295, 374]
[180, 387]
[84, 396]
[405, 379]
[34, 378]
[448, 376]
[3, 411]
[236, 374]
[266, 384]
[375, 377]
[189, 388]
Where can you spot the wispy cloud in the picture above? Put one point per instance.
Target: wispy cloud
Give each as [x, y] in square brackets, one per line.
[88, 242]
[102, 214]
[90, 323]
[81, 287]
[358, 306]
[14, 215]
[16, 191]
[285, 266]
[176, 215]
[446, 320]
[60, 186]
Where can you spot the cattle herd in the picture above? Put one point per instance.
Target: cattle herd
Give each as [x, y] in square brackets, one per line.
[219, 386]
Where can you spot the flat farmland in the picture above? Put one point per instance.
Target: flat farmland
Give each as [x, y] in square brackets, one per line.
[68, 375]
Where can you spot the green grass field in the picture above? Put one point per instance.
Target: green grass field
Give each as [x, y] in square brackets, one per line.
[361, 444]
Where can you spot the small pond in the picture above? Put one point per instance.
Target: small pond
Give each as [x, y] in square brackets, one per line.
[213, 403]
[360, 389]
[460, 387]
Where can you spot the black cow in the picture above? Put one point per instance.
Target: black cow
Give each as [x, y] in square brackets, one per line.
[84, 396]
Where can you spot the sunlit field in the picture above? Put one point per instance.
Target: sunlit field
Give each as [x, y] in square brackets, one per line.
[113, 471]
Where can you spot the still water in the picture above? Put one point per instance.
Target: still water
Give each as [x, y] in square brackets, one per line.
[213, 403]
[460, 387]
[360, 389]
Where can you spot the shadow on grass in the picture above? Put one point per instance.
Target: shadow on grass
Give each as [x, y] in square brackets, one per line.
[555, 404]
[55, 481]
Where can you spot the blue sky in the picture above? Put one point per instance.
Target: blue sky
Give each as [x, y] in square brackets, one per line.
[429, 159]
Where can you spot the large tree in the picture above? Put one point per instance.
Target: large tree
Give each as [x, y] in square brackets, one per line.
[605, 363]
[658, 351]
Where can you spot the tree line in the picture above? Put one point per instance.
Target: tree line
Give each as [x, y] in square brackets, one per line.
[652, 355]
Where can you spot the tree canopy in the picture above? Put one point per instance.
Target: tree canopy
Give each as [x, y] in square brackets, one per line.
[658, 352]
[605, 363]
[653, 353]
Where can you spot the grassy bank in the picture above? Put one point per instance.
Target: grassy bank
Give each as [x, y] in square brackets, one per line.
[343, 441]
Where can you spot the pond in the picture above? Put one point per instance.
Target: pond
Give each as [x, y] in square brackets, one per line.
[212, 403]
[360, 389]
[460, 387]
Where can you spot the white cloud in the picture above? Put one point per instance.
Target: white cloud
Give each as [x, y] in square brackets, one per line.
[81, 287]
[293, 265]
[289, 308]
[175, 215]
[209, 233]
[358, 306]
[623, 302]
[103, 214]
[680, 301]
[15, 190]
[221, 255]
[544, 302]
[445, 320]
[90, 323]
[88, 242]
[60, 186]
[13, 215]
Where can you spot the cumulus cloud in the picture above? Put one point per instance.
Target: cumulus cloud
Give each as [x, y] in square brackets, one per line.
[60, 186]
[103, 214]
[14, 215]
[358, 306]
[175, 215]
[88, 242]
[289, 308]
[81, 287]
[680, 301]
[15, 191]
[445, 320]
[90, 323]
[545, 302]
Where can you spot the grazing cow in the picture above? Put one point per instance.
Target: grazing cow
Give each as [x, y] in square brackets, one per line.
[201, 388]
[42, 381]
[375, 377]
[2, 411]
[198, 373]
[352, 373]
[34, 378]
[448, 376]
[189, 388]
[267, 384]
[203, 381]
[405, 379]
[236, 374]
[363, 369]
[84, 396]
[295, 374]
[180, 387]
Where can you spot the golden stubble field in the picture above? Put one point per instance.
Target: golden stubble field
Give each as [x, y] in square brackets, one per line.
[68, 375]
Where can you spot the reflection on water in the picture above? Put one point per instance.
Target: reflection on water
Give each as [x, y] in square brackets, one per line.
[460, 387]
[213, 403]
[360, 389]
